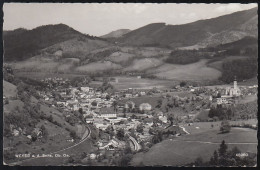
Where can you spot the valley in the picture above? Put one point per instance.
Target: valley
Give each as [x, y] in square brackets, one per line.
[157, 95]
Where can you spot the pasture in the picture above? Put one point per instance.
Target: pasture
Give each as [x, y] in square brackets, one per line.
[194, 71]
[185, 149]
[125, 82]
[9, 90]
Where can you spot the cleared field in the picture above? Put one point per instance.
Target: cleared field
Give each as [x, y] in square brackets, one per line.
[134, 82]
[247, 99]
[143, 64]
[194, 71]
[118, 57]
[98, 66]
[41, 75]
[12, 105]
[218, 64]
[186, 149]
[9, 90]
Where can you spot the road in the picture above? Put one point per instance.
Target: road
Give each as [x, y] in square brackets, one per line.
[137, 147]
[85, 136]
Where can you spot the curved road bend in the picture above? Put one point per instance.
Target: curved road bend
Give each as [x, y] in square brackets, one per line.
[83, 139]
[137, 147]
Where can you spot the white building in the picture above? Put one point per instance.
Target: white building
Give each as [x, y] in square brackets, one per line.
[233, 91]
[145, 106]
[84, 89]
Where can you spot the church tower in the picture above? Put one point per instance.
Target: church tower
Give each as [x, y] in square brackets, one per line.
[235, 83]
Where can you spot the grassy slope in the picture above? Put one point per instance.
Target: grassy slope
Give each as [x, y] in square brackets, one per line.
[175, 153]
[9, 90]
[194, 71]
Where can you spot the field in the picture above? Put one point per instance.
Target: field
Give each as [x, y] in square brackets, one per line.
[143, 64]
[9, 90]
[186, 149]
[42, 75]
[218, 64]
[98, 66]
[133, 82]
[194, 71]
[247, 99]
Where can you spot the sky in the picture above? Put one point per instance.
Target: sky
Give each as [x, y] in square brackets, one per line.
[99, 19]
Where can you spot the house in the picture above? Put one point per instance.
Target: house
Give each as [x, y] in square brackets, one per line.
[222, 100]
[107, 113]
[127, 95]
[84, 89]
[145, 107]
[129, 105]
[142, 93]
[16, 132]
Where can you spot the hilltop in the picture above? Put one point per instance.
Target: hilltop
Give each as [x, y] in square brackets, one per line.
[176, 52]
[116, 34]
[21, 44]
[220, 30]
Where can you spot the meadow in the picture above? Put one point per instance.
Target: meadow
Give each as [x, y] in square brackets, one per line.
[185, 149]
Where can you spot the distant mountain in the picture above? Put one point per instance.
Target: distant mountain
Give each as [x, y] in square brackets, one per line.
[220, 30]
[21, 44]
[116, 34]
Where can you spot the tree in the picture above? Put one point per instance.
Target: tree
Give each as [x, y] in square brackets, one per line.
[159, 103]
[34, 136]
[125, 160]
[225, 127]
[108, 97]
[140, 128]
[120, 134]
[183, 83]
[94, 103]
[214, 159]
[115, 105]
[80, 110]
[198, 161]
[222, 152]
[73, 134]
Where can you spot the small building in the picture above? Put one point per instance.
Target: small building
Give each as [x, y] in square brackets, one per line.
[145, 107]
[129, 105]
[222, 100]
[84, 89]
[127, 95]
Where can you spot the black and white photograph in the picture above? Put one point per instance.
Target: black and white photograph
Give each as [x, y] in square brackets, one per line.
[130, 84]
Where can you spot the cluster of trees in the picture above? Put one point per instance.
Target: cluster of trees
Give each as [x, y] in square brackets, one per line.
[99, 56]
[222, 113]
[106, 86]
[185, 56]
[225, 127]
[242, 69]
[225, 158]
[80, 81]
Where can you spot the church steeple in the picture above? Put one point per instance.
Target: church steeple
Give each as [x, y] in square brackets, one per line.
[235, 83]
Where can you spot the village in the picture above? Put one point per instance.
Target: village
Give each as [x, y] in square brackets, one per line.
[115, 114]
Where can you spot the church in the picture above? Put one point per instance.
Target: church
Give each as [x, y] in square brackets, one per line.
[233, 91]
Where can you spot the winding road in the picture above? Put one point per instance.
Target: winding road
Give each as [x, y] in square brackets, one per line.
[137, 147]
[85, 136]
